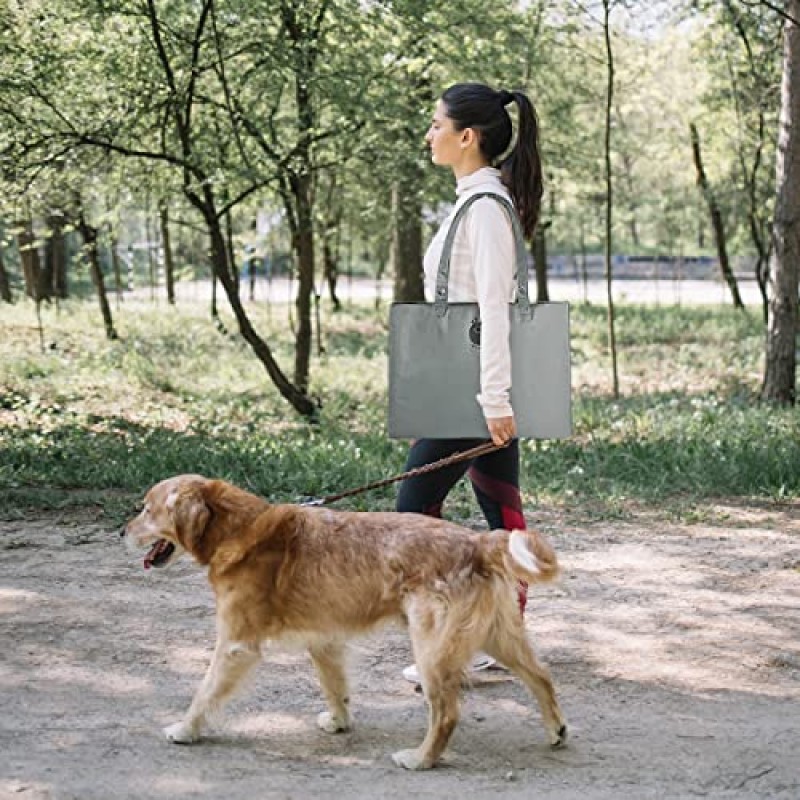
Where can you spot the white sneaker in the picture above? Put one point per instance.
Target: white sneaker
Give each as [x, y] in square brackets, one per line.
[480, 662]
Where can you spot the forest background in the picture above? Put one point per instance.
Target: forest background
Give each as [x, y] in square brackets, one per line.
[147, 146]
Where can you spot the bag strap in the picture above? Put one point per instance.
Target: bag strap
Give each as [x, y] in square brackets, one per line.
[520, 256]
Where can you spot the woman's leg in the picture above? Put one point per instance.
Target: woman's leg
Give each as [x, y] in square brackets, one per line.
[495, 481]
[425, 494]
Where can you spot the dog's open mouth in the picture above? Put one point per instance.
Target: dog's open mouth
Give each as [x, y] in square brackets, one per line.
[158, 554]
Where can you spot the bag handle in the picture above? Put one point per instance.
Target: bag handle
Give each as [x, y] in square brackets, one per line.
[520, 257]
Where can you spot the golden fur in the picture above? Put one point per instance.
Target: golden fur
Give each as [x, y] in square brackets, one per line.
[321, 576]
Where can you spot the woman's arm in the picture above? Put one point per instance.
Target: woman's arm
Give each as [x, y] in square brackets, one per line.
[491, 244]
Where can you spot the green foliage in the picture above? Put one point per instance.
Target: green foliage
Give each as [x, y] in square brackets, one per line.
[658, 447]
[174, 395]
[85, 105]
[83, 84]
[738, 111]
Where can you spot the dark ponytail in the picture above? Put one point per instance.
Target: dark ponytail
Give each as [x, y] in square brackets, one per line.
[476, 106]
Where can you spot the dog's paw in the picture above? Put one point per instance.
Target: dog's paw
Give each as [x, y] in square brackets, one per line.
[558, 738]
[180, 733]
[330, 723]
[410, 759]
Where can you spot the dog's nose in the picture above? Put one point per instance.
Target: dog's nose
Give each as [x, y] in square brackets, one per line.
[122, 530]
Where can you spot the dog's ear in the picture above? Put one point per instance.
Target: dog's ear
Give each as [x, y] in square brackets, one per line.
[190, 514]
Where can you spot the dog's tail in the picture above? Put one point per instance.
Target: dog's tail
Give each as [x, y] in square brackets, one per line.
[529, 557]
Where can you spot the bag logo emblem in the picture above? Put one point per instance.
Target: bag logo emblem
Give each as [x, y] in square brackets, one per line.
[475, 332]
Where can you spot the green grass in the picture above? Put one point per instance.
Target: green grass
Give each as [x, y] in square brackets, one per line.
[90, 418]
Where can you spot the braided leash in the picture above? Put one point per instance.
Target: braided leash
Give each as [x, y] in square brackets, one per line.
[465, 455]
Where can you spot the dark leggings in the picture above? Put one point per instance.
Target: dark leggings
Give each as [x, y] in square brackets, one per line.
[494, 478]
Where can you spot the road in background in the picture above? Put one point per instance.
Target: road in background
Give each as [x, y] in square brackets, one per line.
[651, 292]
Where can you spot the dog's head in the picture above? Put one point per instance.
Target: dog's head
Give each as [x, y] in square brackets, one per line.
[171, 522]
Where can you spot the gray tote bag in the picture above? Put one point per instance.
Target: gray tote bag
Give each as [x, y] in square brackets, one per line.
[434, 358]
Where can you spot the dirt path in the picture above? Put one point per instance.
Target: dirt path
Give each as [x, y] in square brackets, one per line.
[676, 651]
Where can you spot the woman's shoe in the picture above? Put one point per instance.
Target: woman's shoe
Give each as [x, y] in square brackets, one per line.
[480, 662]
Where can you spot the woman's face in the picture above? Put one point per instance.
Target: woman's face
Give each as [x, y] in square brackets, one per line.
[446, 143]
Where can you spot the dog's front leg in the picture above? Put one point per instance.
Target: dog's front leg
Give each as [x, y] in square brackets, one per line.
[328, 659]
[230, 664]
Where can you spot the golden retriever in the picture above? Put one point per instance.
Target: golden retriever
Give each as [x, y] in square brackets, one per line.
[319, 577]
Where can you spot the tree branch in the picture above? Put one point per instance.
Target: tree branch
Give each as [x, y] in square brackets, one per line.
[245, 194]
[182, 126]
[772, 7]
[198, 35]
[162, 53]
[89, 140]
[223, 79]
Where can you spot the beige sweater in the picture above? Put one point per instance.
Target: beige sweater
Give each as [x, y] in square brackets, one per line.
[482, 271]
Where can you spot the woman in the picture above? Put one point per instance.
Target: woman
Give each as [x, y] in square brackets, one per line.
[471, 133]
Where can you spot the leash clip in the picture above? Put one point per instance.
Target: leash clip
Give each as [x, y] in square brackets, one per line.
[311, 502]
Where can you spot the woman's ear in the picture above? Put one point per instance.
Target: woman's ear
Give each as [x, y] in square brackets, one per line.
[469, 137]
[190, 515]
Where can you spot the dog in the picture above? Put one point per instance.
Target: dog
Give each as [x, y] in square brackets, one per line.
[319, 577]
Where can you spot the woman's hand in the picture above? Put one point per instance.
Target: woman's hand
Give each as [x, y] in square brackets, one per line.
[502, 429]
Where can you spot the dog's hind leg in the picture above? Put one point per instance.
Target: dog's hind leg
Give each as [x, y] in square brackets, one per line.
[442, 694]
[440, 656]
[230, 665]
[509, 645]
[328, 660]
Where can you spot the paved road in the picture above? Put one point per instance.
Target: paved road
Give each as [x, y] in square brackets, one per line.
[664, 292]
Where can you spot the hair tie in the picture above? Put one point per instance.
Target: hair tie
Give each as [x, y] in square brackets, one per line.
[505, 97]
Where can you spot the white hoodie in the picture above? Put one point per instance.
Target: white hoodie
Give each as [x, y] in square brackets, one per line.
[482, 270]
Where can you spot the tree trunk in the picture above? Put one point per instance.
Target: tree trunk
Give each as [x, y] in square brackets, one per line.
[781, 356]
[331, 228]
[304, 248]
[218, 323]
[29, 256]
[54, 275]
[5, 285]
[89, 234]
[330, 267]
[199, 189]
[406, 254]
[219, 262]
[251, 278]
[231, 248]
[169, 266]
[152, 275]
[540, 262]
[717, 224]
[583, 265]
[116, 268]
[608, 248]
[762, 279]
[757, 223]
